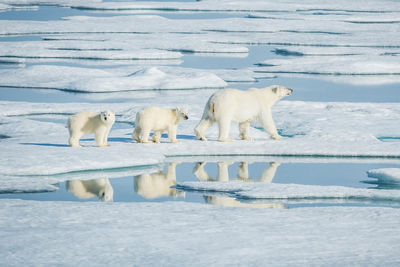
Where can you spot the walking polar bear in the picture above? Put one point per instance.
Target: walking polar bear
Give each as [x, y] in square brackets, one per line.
[243, 107]
[158, 120]
[89, 122]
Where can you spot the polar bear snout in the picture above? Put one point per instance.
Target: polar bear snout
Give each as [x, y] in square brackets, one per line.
[108, 116]
[290, 91]
[186, 117]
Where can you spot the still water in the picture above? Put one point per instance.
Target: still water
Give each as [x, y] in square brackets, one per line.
[159, 186]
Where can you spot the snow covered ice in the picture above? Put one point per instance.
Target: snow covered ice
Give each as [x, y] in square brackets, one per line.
[60, 57]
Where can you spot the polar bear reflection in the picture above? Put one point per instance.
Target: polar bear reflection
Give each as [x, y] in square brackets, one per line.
[158, 184]
[89, 188]
[243, 174]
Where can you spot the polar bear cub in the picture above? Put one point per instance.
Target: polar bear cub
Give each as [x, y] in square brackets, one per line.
[243, 107]
[89, 122]
[158, 120]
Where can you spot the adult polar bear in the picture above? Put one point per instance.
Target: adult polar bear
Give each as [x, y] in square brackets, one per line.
[229, 105]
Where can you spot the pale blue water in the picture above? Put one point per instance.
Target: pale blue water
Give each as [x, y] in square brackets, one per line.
[325, 174]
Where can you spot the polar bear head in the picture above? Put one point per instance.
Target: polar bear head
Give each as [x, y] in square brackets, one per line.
[108, 117]
[281, 91]
[181, 113]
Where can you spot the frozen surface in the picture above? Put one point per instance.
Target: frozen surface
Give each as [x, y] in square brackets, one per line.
[123, 52]
[38, 135]
[388, 175]
[180, 233]
[339, 41]
[12, 184]
[290, 191]
[109, 80]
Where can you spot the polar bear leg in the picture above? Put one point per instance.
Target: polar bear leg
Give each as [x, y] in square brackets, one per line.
[243, 172]
[224, 126]
[269, 125]
[105, 137]
[156, 136]
[200, 173]
[74, 138]
[145, 135]
[172, 134]
[201, 128]
[244, 131]
[269, 173]
[99, 136]
[136, 134]
[223, 172]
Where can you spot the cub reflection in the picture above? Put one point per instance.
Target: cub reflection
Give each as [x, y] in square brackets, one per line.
[243, 173]
[84, 189]
[158, 184]
[231, 202]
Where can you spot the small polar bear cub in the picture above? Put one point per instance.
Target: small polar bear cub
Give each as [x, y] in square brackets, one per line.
[158, 120]
[89, 122]
[243, 107]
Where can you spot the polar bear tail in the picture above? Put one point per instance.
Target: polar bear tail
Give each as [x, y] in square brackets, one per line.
[209, 111]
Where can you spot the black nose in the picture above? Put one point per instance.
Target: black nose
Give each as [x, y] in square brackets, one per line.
[105, 118]
[186, 117]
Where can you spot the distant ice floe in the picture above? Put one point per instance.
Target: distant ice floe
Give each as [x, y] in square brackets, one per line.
[108, 80]
[363, 67]
[386, 175]
[346, 42]
[237, 6]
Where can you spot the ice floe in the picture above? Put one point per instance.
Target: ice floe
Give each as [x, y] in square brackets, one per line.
[388, 175]
[12, 184]
[171, 232]
[275, 191]
[109, 80]
[361, 39]
[39, 147]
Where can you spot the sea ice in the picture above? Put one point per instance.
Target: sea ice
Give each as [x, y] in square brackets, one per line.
[145, 234]
[387, 175]
[243, 190]
[109, 80]
[39, 147]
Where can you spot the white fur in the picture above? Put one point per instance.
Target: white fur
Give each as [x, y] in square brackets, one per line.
[90, 188]
[158, 120]
[158, 184]
[243, 107]
[89, 122]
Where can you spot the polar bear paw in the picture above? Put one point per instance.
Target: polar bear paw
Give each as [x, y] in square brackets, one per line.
[276, 137]
[225, 140]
